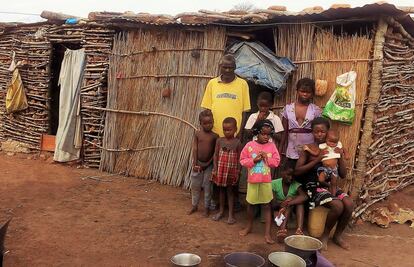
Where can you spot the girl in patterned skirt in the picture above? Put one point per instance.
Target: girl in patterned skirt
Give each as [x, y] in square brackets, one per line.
[226, 167]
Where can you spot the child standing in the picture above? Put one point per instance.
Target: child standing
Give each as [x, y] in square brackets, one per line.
[203, 152]
[226, 167]
[288, 194]
[264, 103]
[259, 156]
[296, 120]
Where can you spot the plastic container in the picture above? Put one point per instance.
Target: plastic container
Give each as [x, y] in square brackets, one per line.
[317, 220]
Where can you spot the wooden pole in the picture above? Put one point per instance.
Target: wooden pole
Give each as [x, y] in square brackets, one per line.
[373, 97]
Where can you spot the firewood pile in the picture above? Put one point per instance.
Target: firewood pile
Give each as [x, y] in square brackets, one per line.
[98, 46]
[32, 48]
[34, 45]
[391, 154]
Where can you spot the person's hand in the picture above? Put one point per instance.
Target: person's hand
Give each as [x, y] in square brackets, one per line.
[340, 151]
[285, 203]
[261, 116]
[264, 156]
[196, 168]
[281, 211]
[322, 154]
[258, 158]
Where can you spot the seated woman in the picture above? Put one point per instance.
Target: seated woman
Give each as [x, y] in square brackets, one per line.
[340, 205]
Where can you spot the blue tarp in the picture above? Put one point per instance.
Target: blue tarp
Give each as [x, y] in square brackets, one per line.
[257, 63]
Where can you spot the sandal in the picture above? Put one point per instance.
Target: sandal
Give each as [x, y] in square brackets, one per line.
[299, 232]
[281, 235]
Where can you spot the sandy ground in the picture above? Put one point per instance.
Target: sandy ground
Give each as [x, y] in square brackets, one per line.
[61, 218]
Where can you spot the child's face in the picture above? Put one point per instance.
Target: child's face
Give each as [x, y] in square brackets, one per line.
[206, 123]
[263, 105]
[287, 177]
[331, 140]
[264, 135]
[305, 94]
[229, 129]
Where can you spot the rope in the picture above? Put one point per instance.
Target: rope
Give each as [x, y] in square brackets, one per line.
[144, 113]
[124, 149]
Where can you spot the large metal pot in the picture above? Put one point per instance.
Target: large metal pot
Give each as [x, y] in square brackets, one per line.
[185, 259]
[285, 259]
[303, 246]
[244, 259]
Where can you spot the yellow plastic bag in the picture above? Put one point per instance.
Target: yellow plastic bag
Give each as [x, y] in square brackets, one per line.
[16, 98]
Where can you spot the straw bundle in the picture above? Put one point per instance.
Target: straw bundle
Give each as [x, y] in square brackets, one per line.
[294, 42]
[327, 47]
[136, 82]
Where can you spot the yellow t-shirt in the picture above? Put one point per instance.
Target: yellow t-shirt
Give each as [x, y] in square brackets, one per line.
[226, 100]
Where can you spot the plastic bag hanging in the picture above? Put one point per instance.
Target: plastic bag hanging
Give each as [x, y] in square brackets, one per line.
[15, 97]
[341, 105]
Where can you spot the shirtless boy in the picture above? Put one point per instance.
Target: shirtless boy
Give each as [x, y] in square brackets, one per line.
[203, 154]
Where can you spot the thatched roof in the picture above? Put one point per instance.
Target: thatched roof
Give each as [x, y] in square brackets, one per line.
[272, 15]
[257, 17]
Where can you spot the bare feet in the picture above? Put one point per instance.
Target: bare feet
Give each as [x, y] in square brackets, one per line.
[281, 234]
[245, 231]
[299, 232]
[217, 217]
[340, 242]
[193, 209]
[324, 240]
[206, 212]
[231, 220]
[269, 239]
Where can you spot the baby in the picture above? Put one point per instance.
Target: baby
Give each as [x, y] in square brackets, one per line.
[328, 172]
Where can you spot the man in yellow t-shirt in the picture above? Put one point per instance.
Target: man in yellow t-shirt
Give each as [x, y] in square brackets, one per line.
[226, 96]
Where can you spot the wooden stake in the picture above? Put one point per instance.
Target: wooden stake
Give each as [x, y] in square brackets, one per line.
[374, 94]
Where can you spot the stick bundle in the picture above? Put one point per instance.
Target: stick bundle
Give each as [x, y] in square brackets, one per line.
[28, 125]
[390, 160]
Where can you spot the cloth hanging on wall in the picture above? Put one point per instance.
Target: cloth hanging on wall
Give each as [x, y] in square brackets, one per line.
[69, 133]
[16, 96]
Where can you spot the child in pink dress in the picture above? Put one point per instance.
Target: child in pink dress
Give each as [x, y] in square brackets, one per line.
[259, 156]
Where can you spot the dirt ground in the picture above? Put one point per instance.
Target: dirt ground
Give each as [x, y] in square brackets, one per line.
[61, 218]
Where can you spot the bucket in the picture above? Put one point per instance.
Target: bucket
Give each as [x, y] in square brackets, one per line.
[244, 259]
[316, 222]
[285, 259]
[302, 246]
[185, 259]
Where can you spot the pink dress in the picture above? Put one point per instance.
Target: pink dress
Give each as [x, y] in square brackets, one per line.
[259, 172]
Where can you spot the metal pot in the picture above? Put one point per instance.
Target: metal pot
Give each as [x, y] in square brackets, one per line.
[285, 259]
[244, 259]
[303, 246]
[186, 259]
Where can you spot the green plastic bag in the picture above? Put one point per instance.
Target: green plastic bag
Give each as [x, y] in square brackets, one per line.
[341, 105]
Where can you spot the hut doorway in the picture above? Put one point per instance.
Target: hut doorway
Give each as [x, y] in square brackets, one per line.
[58, 52]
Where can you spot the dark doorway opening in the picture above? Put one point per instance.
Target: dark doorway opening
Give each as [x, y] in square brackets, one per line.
[58, 52]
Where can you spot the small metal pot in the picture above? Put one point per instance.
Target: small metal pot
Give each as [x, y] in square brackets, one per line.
[285, 259]
[244, 259]
[185, 259]
[303, 246]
